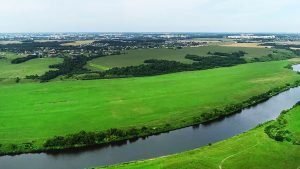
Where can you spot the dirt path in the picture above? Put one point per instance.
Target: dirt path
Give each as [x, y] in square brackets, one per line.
[230, 156]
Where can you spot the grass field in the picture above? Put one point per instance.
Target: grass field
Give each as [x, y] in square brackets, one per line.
[31, 67]
[253, 149]
[35, 111]
[137, 57]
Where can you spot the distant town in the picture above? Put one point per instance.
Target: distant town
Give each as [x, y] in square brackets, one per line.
[99, 44]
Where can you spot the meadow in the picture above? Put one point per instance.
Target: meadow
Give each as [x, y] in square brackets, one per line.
[138, 56]
[32, 67]
[38, 111]
[253, 149]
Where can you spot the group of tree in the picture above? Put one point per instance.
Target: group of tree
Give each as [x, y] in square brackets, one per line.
[157, 67]
[23, 59]
[134, 42]
[234, 54]
[84, 138]
[32, 46]
[69, 66]
[151, 67]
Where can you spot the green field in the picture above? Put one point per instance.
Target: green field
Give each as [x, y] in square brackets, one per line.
[137, 57]
[31, 67]
[253, 149]
[293, 119]
[37, 111]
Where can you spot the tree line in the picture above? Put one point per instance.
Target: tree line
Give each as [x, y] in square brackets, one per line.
[157, 67]
[23, 59]
[84, 138]
[75, 65]
[31, 46]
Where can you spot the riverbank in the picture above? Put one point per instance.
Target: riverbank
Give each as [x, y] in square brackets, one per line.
[240, 83]
[253, 149]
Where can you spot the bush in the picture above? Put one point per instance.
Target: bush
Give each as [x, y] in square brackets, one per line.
[33, 77]
[18, 80]
[278, 132]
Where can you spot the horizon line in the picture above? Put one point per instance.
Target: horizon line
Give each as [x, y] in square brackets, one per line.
[156, 32]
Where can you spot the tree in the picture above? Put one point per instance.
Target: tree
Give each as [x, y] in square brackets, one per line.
[18, 80]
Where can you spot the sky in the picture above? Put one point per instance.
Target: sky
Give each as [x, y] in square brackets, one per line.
[150, 16]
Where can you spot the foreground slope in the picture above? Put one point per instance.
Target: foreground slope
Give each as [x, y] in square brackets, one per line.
[34, 112]
[253, 149]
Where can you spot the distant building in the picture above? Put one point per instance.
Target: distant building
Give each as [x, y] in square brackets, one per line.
[252, 37]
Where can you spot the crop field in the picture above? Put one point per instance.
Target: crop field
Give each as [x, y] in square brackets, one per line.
[9, 42]
[37, 111]
[288, 42]
[31, 67]
[295, 48]
[210, 41]
[78, 43]
[245, 45]
[137, 57]
[253, 149]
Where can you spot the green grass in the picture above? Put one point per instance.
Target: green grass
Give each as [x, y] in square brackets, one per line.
[293, 118]
[35, 111]
[253, 150]
[10, 55]
[137, 57]
[31, 67]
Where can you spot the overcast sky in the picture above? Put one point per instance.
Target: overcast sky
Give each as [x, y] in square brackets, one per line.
[149, 15]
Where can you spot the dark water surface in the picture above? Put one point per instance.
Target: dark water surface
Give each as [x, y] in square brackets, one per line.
[163, 144]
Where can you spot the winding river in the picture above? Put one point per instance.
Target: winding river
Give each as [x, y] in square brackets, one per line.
[159, 145]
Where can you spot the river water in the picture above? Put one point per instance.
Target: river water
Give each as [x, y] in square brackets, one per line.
[159, 145]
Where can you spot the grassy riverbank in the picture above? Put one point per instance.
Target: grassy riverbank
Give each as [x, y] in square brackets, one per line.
[253, 149]
[33, 113]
